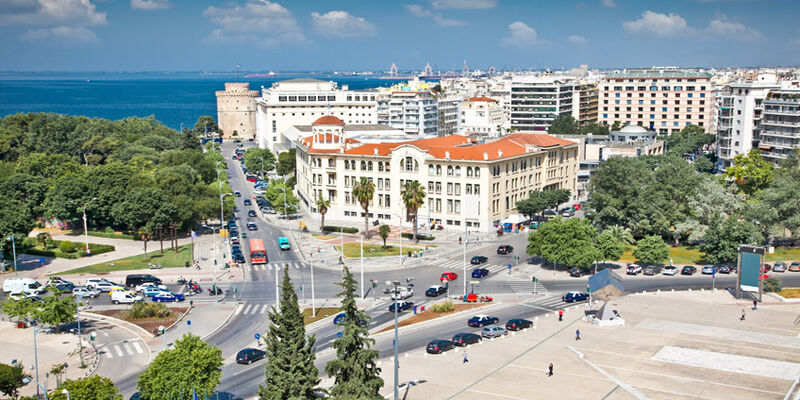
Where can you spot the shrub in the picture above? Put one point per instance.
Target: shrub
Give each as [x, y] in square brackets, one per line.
[98, 249]
[419, 237]
[141, 310]
[43, 253]
[447, 306]
[772, 285]
[66, 246]
[109, 230]
[29, 242]
[331, 228]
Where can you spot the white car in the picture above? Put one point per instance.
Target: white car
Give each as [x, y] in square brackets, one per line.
[150, 285]
[634, 269]
[402, 293]
[54, 280]
[670, 270]
[21, 295]
[259, 191]
[82, 291]
[91, 282]
[124, 297]
[106, 286]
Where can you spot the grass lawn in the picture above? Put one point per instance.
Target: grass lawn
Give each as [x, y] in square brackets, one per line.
[323, 312]
[678, 255]
[790, 293]
[322, 236]
[353, 249]
[784, 254]
[169, 259]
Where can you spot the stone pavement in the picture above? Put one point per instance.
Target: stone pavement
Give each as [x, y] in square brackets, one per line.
[675, 345]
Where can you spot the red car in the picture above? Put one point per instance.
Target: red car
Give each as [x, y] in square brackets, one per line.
[448, 276]
[251, 178]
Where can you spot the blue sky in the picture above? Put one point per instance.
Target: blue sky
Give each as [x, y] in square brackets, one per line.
[191, 35]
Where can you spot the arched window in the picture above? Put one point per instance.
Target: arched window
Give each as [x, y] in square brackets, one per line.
[438, 170]
[431, 169]
[458, 171]
[346, 164]
[380, 166]
[363, 165]
[449, 170]
[330, 162]
[411, 164]
[477, 172]
[469, 171]
[387, 166]
[369, 166]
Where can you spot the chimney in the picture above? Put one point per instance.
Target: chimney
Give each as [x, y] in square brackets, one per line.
[447, 155]
[499, 153]
[375, 151]
[485, 156]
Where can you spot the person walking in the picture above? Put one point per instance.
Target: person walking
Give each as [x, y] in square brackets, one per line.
[466, 358]
[755, 304]
[550, 370]
[742, 317]
[560, 315]
[577, 334]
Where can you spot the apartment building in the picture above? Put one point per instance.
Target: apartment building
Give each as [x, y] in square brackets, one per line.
[537, 101]
[482, 115]
[740, 109]
[301, 101]
[780, 126]
[449, 108]
[469, 185]
[586, 95]
[415, 112]
[660, 99]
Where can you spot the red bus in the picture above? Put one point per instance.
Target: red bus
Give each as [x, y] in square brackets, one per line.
[258, 255]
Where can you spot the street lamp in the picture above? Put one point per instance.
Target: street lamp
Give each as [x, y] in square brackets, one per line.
[85, 228]
[285, 216]
[396, 360]
[79, 299]
[36, 362]
[14, 254]
[66, 392]
[221, 221]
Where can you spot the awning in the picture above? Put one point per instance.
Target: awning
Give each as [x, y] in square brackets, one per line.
[514, 219]
[763, 147]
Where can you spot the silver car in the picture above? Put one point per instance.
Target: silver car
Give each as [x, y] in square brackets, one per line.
[82, 291]
[493, 331]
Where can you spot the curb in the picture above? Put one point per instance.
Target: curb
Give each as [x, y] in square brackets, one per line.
[179, 318]
[223, 323]
[122, 324]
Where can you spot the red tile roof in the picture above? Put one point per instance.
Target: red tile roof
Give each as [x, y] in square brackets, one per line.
[328, 120]
[482, 98]
[326, 138]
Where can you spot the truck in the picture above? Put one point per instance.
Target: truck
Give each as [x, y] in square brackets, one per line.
[19, 285]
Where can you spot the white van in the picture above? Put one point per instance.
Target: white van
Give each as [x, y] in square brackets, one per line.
[18, 285]
[124, 297]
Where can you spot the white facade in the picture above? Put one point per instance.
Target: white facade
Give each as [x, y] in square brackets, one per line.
[537, 101]
[416, 113]
[482, 115]
[301, 101]
[449, 108]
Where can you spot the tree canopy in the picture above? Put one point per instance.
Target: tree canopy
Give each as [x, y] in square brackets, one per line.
[90, 388]
[563, 124]
[565, 241]
[692, 139]
[750, 172]
[191, 364]
[651, 250]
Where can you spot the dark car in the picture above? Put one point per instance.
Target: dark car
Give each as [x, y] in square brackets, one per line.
[65, 287]
[247, 202]
[724, 269]
[238, 258]
[480, 272]
[251, 226]
[651, 270]
[439, 346]
[572, 297]
[505, 249]
[482, 320]
[478, 260]
[401, 306]
[575, 272]
[236, 248]
[464, 338]
[252, 213]
[249, 355]
[518, 324]
[688, 270]
[435, 291]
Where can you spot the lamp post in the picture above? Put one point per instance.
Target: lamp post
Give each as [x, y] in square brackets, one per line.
[36, 362]
[221, 196]
[361, 239]
[396, 360]
[465, 266]
[285, 213]
[14, 254]
[79, 299]
[85, 228]
[66, 392]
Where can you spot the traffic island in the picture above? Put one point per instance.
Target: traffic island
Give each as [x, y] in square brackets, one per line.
[150, 321]
[428, 314]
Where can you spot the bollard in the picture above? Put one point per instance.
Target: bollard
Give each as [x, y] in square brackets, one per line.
[658, 291]
[673, 290]
[702, 290]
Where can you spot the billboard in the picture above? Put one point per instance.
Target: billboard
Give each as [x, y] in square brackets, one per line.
[751, 259]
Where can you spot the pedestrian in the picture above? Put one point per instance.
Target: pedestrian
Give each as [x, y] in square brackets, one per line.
[466, 359]
[755, 304]
[550, 370]
[560, 315]
[742, 317]
[459, 240]
[577, 334]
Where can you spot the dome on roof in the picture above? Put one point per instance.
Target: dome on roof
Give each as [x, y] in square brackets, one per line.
[328, 120]
[633, 129]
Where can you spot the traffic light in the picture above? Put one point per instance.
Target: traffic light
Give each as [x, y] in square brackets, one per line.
[374, 283]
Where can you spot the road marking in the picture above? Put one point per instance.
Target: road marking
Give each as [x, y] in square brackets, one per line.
[137, 347]
[108, 353]
[263, 308]
[119, 351]
[128, 349]
[497, 395]
[247, 310]
[238, 308]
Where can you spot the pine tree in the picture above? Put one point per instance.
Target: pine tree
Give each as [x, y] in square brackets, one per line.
[290, 370]
[356, 375]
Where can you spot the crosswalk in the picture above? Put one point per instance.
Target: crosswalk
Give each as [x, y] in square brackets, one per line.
[550, 302]
[458, 265]
[251, 309]
[527, 287]
[122, 349]
[280, 264]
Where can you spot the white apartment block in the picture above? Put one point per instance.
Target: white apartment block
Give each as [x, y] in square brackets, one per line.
[416, 113]
[661, 99]
[449, 108]
[302, 101]
[740, 109]
[537, 101]
[482, 115]
[780, 126]
[468, 185]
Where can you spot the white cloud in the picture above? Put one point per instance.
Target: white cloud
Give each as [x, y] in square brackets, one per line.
[609, 3]
[50, 13]
[262, 21]
[342, 24]
[150, 5]
[721, 26]
[577, 39]
[464, 4]
[61, 35]
[520, 34]
[664, 25]
[421, 12]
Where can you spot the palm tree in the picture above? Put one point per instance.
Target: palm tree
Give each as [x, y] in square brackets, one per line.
[364, 191]
[413, 195]
[622, 234]
[322, 207]
[383, 231]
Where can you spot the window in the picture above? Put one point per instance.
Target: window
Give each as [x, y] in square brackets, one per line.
[477, 172]
[438, 170]
[363, 165]
[330, 163]
[410, 164]
[369, 166]
[449, 188]
[469, 171]
[346, 164]
[458, 171]
[431, 169]
[449, 170]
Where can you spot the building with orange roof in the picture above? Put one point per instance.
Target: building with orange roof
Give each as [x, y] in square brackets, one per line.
[470, 184]
[482, 115]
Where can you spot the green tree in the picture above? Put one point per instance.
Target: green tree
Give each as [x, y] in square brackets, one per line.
[751, 172]
[259, 161]
[275, 194]
[616, 126]
[594, 128]
[44, 239]
[354, 371]
[364, 191]
[56, 310]
[191, 364]
[14, 219]
[563, 124]
[143, 210]
[623, 235]
[287, 162]
[689, 140]
[290, 370]
[31, 190]
[609, 247]
[322, 208]
[206, 124]
[565, 241]
[703, 164]
[190, 141]
[383, 232]
[12, 377]
[90, 388]
[723, 237]
[21, 309]
[555, 197]
[413, 195]
[783, 198]
[651, 250]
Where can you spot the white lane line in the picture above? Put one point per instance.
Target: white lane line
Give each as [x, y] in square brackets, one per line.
[119, 351]
[263, 308]
[128, 349]
[247, 310]
[496, 395]
[238, 308]
[137, 347]
[108, 352]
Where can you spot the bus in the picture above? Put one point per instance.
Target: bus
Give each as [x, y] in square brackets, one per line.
[258, 255]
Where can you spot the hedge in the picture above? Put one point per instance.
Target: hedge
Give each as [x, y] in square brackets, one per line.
[419, 237]
[112, 235]
[95, 248]
[331, 228]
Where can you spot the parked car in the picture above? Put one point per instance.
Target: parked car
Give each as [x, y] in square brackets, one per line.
[795, 266]
[401, 293]
[166, 297]
[268, 210]
[493, 331]
[64, 287]
[145, 285]
[107, 286]
[670, 270]
[235, 240]
[478, 260]
[439, 346]
[252, 178]
[249, 355]
[651, 270]
[688, 270]
[435, 291]
[516, 324]
[91, 282]
[238, 258]
[575, 272]
[17, 285]
[766, 267]
[124, 297]
[448, 276]
[465, 338]
[571, 297]
[724, 269]
[480, 272]
[779, 267]
[247, 202]
[153, 291]
[707, 270]
[634, 269]
[251, 213]
[401, 306]
[83, 291]
[55, 280]
[133, 280]
[251, 226]
[505, 249]
[482, 320]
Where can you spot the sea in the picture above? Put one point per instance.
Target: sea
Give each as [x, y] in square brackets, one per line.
[174, 98]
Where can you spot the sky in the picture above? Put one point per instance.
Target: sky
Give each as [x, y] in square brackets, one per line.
[354, 35]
